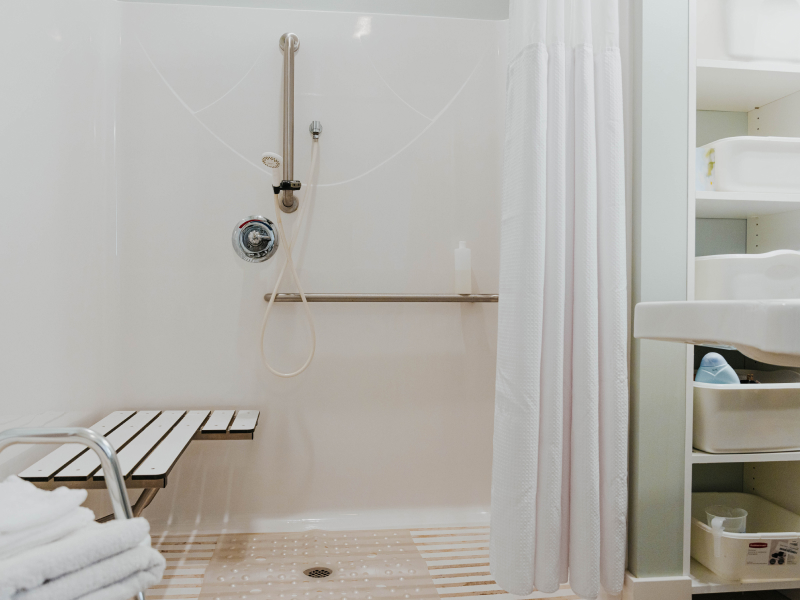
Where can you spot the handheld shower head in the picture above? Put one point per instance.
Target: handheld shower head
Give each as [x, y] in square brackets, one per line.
[275, 163]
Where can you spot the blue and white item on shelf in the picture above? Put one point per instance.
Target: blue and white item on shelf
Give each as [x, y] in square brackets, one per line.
[715, 369]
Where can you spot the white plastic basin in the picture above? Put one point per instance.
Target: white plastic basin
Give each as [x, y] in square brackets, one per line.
[768, 549]
[764, 330]
[749, 164]
[762, 29]
[761, 417]
[772, 275]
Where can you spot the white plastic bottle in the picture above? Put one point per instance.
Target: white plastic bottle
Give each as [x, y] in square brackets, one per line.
[463, 269]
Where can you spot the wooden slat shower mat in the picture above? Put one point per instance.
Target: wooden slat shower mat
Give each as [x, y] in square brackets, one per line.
[458, 561]
[364, 565]
[447, 563]
[188, 557]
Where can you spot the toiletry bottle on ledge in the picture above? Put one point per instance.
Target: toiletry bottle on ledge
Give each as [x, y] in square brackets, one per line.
[463, 269]
[715, 369]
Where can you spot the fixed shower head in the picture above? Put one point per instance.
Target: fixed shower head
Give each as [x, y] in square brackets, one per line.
[274, 162]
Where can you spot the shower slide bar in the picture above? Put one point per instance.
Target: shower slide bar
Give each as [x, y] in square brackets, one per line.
[289, 44]
[96, 442]
[472, 298]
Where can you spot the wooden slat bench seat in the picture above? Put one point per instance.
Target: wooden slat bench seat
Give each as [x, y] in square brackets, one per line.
[82, 468]
[64, 455]
[148, 444]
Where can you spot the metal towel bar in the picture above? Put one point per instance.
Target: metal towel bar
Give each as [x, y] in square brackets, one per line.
[80, 435]
[386, 298]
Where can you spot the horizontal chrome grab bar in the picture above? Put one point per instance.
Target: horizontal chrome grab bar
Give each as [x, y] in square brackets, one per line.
[386, 298]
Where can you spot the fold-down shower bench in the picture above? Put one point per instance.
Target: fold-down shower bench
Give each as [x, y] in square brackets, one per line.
[148, 444]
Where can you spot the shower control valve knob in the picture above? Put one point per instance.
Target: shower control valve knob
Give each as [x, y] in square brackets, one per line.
[255, 239]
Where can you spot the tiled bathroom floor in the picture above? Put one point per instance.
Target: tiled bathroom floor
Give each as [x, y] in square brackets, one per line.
[420, 564]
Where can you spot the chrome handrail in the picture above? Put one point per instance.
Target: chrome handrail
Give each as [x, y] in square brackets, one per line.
[290, 44]
[387, 297]
[112, 473]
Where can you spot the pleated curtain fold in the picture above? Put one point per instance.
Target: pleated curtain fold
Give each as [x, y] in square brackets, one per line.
[559, 481]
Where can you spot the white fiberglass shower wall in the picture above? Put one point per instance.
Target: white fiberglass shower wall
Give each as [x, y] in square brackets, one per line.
[132, 140]
[59, 66]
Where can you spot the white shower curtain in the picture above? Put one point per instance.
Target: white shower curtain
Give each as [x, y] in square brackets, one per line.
[559, 481]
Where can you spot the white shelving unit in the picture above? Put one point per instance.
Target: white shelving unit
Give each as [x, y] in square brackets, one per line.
[742, 86]
[699, 457]
[707, 582]
[743, 205]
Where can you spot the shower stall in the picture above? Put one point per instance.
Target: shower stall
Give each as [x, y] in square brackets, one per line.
[156, 116]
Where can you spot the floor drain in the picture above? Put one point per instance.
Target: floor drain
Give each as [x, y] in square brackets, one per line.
[318, 572]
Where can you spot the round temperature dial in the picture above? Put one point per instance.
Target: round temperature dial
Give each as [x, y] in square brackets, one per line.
[255, 239]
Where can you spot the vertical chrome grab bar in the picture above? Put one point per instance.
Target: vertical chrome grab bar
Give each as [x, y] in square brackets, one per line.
[115, 482]
[289, 43]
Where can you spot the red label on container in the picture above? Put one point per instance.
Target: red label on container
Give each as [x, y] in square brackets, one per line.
[758, 545]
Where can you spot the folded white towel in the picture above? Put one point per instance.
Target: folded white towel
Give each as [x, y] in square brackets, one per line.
[23, 505]
[126, 573]
[79, 550]
[19, 541]
[127, 588]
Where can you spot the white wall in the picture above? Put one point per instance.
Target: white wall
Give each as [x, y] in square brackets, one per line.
[713, 125]
[58, 270]
[720, 236]
[777, 118]
[145, 304]
[465, 9]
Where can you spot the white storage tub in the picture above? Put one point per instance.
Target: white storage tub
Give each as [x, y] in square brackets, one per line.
[748, 556]
[748, 30]
[769, 276]
[750, 164]
[752, 417]
[762, 29]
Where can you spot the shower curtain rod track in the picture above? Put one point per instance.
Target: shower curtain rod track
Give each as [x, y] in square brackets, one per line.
[472, 298]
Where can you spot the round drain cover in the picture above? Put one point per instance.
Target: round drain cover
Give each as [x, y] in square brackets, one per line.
[318, 572]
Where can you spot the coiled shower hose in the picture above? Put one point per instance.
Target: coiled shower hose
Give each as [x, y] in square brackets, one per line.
[288, 244]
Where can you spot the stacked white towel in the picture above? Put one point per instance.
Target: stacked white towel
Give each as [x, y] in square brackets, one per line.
[51, 548]
[30, 517]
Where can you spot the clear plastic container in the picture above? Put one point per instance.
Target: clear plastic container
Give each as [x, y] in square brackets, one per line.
[724, 518]
[769, 549]
[731, 519]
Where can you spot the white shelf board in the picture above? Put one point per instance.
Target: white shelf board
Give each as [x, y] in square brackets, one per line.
[741, 86]
[741, 205]
[707, 582]
[704, 457]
